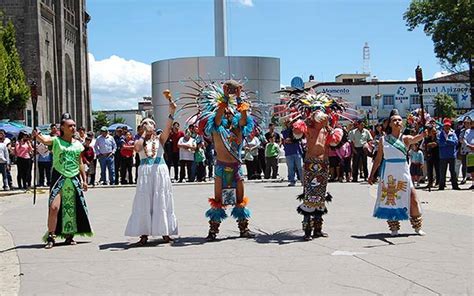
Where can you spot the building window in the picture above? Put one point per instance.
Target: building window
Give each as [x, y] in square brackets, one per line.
[388, 100]
[347, 80]
[366, 101]
[415, 100]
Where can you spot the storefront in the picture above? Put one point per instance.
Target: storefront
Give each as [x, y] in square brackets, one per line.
[377, 98]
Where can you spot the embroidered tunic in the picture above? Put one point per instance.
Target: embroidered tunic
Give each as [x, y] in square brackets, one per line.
[393, 194]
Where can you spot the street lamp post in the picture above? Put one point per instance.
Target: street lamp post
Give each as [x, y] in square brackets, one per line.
[419, 85]
[34, 102]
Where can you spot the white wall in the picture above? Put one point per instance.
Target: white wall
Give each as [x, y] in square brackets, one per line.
[401, 92]
[260, 74]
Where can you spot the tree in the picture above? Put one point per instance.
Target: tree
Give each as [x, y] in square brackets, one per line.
[450, 23]
[118, 120]
[3, 66]
[3, 73]
[445, 107]
[17, 91]
[100, 121]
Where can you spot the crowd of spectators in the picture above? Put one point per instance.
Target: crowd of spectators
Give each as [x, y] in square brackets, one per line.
[190, 155]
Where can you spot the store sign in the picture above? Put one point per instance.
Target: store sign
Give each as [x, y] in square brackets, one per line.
[443, 89]
[337, 91]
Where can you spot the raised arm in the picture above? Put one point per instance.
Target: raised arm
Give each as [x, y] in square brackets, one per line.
[167, 130]
[222, 106]
[47, 140]
[409, 140]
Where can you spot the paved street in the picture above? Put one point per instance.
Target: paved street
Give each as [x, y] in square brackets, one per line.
[359, 258]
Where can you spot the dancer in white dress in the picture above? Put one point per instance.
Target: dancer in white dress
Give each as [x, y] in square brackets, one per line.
[153, 206]
[396, 196]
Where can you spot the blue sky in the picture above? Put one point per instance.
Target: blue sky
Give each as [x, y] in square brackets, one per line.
[323, 38]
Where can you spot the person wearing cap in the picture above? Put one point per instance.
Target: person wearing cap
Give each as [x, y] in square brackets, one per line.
[153, 205]
[448, 142]
[105, 148]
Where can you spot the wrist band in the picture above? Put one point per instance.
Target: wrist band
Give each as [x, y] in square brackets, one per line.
[170, 117]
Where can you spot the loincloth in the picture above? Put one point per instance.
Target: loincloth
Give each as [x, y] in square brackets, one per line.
[315, 181]
[230, 173]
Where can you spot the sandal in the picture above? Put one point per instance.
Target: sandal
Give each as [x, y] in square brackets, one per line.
[70, 240]
[167, 239]
[50, 241]
[143, 240]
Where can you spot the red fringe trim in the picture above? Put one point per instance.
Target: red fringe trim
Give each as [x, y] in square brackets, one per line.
[215, 204]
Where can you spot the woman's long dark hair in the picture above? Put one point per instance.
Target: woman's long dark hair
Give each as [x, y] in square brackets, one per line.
[65, 117]
[394, 112]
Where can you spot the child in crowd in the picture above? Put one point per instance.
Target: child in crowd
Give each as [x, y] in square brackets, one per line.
[416, 163]
[200, 158]
[344, 152]
[87, 156]
[272, 151]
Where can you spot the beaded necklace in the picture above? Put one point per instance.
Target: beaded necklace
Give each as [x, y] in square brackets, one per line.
[153, 149]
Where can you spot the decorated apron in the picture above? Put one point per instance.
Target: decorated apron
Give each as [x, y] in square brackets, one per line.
[393, 194]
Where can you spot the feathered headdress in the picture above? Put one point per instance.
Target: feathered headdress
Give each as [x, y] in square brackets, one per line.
[414, 117]
[205, 97]
[304, 103]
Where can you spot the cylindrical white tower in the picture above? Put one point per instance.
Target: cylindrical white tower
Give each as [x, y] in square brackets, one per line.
[220, 31]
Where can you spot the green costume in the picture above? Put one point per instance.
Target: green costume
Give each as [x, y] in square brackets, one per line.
[73, 214]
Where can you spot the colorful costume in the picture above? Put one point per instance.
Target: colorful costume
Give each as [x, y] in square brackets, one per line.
[73, 215]
[302, 108]
[394, 190]
[210, 98]
[153, 205]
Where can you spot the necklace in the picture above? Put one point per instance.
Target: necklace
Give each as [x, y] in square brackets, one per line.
[153, 149]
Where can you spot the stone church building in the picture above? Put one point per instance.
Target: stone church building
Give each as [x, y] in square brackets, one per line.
[52, 43]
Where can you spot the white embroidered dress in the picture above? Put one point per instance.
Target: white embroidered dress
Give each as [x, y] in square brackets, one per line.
[153, 205]
[393, 194]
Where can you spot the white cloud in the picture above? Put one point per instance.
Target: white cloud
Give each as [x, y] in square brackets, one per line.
[441, 74]
[247, 3]
[117, 83]
[411, 79]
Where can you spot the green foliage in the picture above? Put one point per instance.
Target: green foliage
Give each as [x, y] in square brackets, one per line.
[450, 23]
[100, 120]
[445, 106]
[3, 74]
[118, 120]
[14, 90]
